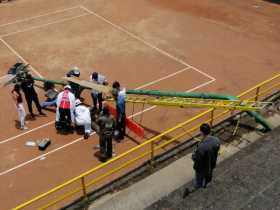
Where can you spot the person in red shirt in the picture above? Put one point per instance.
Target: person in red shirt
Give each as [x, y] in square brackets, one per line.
[65, 108]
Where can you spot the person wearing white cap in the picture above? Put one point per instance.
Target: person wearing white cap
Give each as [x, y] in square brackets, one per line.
[82, 117]
[65, 108]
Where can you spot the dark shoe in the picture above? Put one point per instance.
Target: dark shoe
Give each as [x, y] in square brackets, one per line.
[186, 192]
[86, 135]
[32, 115]
[42, 113]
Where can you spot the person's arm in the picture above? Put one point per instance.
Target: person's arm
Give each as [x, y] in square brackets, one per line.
[15, 97]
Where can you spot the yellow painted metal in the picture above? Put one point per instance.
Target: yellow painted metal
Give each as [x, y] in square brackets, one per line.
[241, 105]
[156, 138]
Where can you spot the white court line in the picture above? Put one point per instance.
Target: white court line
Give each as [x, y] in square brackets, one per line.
[146, 43]
[27, 132]
[43, 25]
[81, 138]
[19, 56]
[49, 123]
[38, 16]
[163, 78]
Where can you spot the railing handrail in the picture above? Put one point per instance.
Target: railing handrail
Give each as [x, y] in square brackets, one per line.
[103, 165]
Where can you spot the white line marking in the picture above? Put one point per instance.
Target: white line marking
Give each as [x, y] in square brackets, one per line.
[22, 134]
[163, 78]
[43, 25]
[38, 16]
[19, 56]
[146, 43]
[78, 140]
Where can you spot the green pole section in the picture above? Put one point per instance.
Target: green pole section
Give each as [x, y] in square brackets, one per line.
[258, 117]
[56, 82]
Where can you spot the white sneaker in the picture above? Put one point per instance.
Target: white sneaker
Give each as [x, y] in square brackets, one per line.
[23, 128]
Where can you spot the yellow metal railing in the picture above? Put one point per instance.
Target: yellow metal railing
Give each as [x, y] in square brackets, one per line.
[147, 150]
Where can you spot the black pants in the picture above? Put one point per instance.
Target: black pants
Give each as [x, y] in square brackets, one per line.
[29, 100]
[121, 125]
[97, 98]
[105, 142]
[75, 89]
[65, 116]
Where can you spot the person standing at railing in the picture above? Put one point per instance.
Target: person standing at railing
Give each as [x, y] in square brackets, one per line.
[205, 158]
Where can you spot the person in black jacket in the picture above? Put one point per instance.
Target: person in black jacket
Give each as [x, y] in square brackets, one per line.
[30, 94]
[205, 157]
[106, 123]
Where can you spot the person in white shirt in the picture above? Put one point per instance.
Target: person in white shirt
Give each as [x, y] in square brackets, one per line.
[65, 104]
[82, 117]
[96, 95]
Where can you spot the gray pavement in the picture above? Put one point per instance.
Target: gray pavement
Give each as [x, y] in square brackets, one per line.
[247, 180]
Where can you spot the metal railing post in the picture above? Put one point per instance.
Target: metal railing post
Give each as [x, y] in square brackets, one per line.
[257, 93]
[152, 154]
[212, 117]
[84, 187]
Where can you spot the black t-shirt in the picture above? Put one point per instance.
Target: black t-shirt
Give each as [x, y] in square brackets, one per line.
[28, 87]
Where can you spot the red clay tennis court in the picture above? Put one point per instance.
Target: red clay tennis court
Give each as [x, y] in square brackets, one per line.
[223, 47]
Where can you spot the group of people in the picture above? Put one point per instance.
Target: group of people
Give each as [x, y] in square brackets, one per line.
[27, 86]
[72, 112]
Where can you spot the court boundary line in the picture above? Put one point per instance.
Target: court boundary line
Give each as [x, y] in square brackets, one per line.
[20, 57]
[43, 25]
[145, 42]
[82, 139]
[38, 16]
[120, 28]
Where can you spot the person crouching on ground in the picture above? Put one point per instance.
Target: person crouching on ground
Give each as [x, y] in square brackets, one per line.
[19, 105]
[119, 96]
[82, 117]
[106, 124]
[65, 109]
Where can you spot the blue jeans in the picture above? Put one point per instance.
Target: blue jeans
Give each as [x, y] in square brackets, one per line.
[48, 103]
[200, 180]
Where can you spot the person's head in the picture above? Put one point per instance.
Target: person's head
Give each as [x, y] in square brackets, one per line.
[205, 129]
[67, 87]
[105, 110]
[17, 88]
[116, 85]
[94, 76]
[76, 71]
